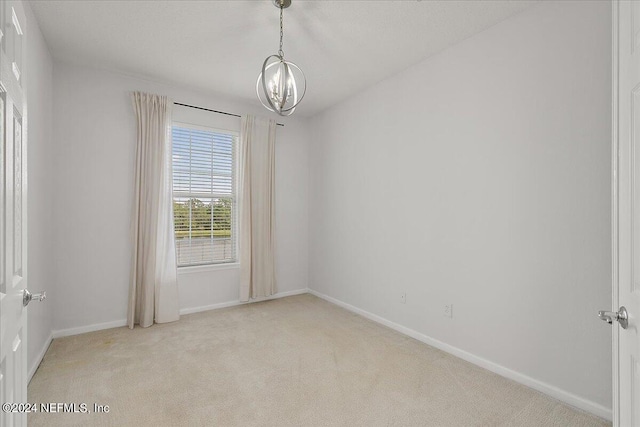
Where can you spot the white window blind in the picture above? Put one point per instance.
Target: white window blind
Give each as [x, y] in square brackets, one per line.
[204, 195]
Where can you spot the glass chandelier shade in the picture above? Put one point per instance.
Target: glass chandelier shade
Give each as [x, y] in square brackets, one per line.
[281, 84]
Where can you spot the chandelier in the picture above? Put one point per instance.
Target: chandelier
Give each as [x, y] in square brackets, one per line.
[281, 85]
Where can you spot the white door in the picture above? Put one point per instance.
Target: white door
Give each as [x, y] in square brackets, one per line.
[626, 213]
[13, 276]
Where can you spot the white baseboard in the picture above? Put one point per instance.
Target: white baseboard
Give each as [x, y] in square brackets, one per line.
[119, 323]
[89, 328]
[191, 310]
[555, 392]
[33, 368]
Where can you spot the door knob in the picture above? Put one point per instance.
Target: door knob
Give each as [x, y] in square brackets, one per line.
[27, 297]
[621, 317]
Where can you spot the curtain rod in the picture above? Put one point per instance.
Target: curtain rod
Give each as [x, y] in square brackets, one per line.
[214, 111]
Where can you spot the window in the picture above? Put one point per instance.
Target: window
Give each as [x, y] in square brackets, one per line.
[204, 195]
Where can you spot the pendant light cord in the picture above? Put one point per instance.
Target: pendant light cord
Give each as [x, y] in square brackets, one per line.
[280, 51]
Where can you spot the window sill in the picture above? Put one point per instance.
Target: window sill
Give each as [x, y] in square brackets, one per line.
[208, 267]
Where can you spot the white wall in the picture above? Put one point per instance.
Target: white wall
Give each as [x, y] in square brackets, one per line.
[94, 133]
[38, 79]
[481, 177]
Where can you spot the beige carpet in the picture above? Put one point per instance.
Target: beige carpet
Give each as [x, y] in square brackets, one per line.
[296, 361]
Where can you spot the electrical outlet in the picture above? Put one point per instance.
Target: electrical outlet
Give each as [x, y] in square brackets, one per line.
[403, 298]
[448, 311]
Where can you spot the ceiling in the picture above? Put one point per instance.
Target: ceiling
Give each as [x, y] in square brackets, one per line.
[219, 46]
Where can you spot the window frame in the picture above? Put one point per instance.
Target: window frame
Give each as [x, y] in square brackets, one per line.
[213, 265]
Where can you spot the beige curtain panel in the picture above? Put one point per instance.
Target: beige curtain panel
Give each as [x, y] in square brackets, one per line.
[257, 207]
[153, 295]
